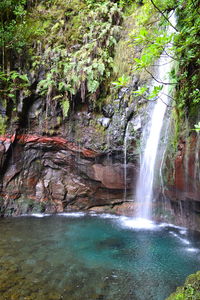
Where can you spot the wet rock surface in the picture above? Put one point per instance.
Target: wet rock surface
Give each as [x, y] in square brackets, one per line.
[182, 181]
[186, 175]
[51, 163]
[50, 174]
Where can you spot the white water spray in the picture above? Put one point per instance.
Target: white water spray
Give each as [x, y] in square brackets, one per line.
[151, 136]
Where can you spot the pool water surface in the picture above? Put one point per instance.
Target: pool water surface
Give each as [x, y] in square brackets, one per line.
[88, 256]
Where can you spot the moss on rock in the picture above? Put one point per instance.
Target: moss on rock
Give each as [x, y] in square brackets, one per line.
[189, 291]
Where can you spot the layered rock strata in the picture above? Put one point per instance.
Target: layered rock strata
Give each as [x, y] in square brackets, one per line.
[51, 174]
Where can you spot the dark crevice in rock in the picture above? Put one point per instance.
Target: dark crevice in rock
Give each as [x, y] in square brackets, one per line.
[8, 157]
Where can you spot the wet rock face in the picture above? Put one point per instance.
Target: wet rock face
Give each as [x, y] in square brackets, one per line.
[50, 174]
[53, 163]
[182, 182]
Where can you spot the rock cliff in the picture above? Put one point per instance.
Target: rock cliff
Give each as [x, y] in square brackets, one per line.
[71, 114]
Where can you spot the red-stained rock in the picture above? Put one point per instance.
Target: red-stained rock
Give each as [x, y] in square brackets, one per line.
[112, 176]
[184, 181]
[54, 141]
[179, 180]
[52, 174]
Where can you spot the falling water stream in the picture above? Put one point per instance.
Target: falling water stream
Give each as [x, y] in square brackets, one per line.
[125, 162]
[152, 134]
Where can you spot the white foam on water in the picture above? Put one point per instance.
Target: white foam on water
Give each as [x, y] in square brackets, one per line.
[137, 223]
[40, 215]
[71, 214]
[36, 215]
[173, 233]
[93, 214]
[183, 231]
[108, 216]
[192, 249]
[184, 241]
[173, 226]
[163, 225]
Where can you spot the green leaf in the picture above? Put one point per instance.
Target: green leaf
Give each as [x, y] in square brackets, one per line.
[62, 86]
[65, 107]
[11, 95]
[14, 75]
[155, 92]
[24, 77]
[122, 81]
[92, 86]
[141, 90]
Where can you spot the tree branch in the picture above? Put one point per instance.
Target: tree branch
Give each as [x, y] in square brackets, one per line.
[156, 99]
[158, 65]
[160, 11]
[172, 57]
[164, 102]
[165, 83]
[168, 96]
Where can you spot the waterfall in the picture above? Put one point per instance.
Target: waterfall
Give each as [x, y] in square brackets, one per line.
[126, 137]
[151, 136]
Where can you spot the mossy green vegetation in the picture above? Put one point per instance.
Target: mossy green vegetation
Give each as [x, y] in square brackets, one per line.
[189, 291]
[2, 125]
[84, 66]
[21, 205]
[69, 50]
[150, 34]
[68, 44]
[12, 15]
[187, 44]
